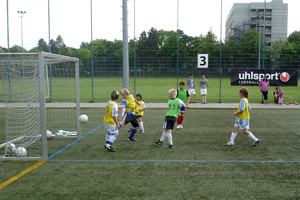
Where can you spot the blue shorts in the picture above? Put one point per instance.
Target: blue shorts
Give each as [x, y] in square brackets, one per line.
[242, 123]
[182, 108]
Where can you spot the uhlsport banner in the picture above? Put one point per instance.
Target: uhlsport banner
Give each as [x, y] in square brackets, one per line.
[252, 77]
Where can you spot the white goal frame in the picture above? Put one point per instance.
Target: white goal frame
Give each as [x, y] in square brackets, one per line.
[42, 62]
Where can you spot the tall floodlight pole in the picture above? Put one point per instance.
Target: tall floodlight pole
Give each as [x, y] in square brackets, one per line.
[264, 45]
[259, 33]
[21, 15]
[177, 63]
[125, 47]
[221, 52]
[7, 23]
[134, 52]
[9, 81]
[92, 51]
[49, 46]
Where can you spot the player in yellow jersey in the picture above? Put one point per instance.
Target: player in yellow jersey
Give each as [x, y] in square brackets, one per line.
[111, 122]
[128, 112]
[243, 119]
[139, 111]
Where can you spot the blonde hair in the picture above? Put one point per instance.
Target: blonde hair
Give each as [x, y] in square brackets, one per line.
[124, 91]
[173, 93]
[245, 92]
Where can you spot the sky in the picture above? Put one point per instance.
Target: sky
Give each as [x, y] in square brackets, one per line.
[72, 19]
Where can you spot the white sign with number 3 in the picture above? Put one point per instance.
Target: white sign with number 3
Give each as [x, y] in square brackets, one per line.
[202, 60]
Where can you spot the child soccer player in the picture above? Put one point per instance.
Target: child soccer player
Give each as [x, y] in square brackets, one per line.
[183, 95]
[111, 123]
[242, 119]
[171, 117]
[139, 111]
[128, 112]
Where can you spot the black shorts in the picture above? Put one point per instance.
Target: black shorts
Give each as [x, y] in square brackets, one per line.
[170, 122]
[131, 119]
[139, 116]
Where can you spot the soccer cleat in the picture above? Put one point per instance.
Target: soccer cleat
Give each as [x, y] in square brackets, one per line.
[181, 126]
[170, 146]
[132, 139]
[178, 127]
[256, 143]
[141, 131]
[109, 148]
[158, 142]
[229, 144]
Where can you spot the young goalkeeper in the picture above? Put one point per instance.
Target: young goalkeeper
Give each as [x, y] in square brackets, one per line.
[128, 112]
[243, 119]
[111, 122]
[171, 117]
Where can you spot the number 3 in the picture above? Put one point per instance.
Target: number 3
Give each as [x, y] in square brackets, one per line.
[202, 60]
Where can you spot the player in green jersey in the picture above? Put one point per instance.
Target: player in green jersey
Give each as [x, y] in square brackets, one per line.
[183, 95]
[171, 116]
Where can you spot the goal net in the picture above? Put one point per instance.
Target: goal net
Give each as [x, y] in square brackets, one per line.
[40, 93]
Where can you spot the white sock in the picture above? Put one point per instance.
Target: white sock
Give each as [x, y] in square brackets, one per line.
[141, 125]
[113, 138]
[252, 137]
[232, 138]
[163, 137]
[169, 135]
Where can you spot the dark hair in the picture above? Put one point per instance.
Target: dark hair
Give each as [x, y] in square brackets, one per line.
[139, 95]
[266, 79]
[182, 83]
[191, 74]
[114, 95]
[245, 92]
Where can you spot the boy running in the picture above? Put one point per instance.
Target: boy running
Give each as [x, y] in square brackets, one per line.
[111, 123]
[243, 119]
[183, 95]
[171, 117]
[128, 112]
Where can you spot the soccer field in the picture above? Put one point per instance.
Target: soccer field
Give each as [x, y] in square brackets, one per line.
[156, 89]
[198, 167]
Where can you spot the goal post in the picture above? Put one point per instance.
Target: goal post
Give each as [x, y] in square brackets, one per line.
[28, 112]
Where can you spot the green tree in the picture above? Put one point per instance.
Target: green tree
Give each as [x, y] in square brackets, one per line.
[43, 46]
[16, 49]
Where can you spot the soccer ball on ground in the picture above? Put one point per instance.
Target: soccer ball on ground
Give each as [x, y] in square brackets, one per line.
[21, 152]
[10, 148]
[83, 118]
[49, 134]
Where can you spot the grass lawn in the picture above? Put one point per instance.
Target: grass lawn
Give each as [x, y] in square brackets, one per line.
[156, 89]
[198, 167]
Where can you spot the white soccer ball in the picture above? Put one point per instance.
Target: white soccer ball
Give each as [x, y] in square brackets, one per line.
[49, 134]
[10, 148]
[21, 152]
[83, 119]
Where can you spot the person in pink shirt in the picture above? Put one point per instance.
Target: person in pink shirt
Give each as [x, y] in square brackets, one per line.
[280, 96]
[264, 88]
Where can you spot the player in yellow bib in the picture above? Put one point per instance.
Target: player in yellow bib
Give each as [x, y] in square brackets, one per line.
[139, 111]
[111, 122]
[128, 112]
[243, 119]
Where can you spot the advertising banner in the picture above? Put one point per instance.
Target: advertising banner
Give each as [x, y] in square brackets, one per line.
[252, 77]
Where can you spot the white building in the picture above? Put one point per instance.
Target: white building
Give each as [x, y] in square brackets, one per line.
[244, 17]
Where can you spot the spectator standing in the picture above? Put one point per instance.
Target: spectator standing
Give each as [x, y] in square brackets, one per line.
[264, 88]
